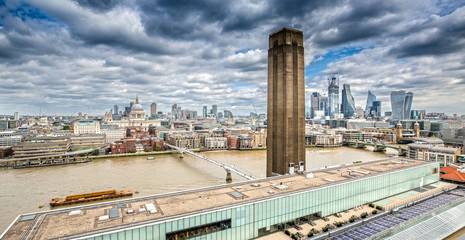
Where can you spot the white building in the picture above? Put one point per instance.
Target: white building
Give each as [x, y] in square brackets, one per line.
[216, 142]
[113, 133]
[87, 127]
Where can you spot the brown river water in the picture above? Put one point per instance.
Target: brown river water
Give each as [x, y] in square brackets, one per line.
[23, 190]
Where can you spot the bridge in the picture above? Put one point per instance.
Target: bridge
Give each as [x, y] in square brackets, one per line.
[226, 167]
[377, 147]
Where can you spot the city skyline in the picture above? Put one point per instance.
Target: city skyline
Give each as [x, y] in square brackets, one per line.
[62, 57]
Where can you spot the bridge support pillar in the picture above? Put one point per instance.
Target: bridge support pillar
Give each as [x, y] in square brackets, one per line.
[181, 155]
[228, 177]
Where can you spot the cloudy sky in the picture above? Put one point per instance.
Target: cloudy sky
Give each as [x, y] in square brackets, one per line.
[64, 56]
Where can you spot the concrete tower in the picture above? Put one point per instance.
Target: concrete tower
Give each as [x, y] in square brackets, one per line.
[286, 102]
[398, 132]
[153, 109]
[416, 129]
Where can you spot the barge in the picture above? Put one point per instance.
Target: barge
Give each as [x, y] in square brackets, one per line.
[88, 197]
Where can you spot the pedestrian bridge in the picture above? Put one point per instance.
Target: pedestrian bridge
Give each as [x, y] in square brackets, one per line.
[226, 167]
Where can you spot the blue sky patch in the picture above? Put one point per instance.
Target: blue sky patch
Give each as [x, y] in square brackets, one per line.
[315, 67]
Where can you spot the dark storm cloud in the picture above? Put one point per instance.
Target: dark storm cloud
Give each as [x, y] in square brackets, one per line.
[435, 36]
[206, 52]
[100, 5]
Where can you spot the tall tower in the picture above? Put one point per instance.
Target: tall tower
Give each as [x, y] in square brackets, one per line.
[286, 102]
[416, 129]
[398, 132]
[153, 109]
[204, 112]
[174, 112]
[215, 110]
[348, 103]
[370, 99]
[333, 95]
[401, 104]
[314, 103]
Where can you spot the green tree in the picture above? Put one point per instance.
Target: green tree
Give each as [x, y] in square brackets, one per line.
[66, 127]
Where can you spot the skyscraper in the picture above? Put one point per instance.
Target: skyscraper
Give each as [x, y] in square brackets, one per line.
[333, 95]
[376, 109]
[401, 104]
[174, 112]
[348, 103]
[153, 109]
[228, 114]
[314, 103]
[204, 113]
[370, 99]
[408, 105]
[215, 110]
[286, 102]
[116, 108]
[323, 105]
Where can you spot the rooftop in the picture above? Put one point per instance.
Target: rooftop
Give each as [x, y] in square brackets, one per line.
[60, 223]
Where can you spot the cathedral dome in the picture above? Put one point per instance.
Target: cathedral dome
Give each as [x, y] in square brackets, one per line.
[137, 107]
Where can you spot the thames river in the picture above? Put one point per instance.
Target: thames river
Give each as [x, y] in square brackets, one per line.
[23, 190]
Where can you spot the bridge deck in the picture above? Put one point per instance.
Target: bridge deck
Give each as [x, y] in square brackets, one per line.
[223, 165]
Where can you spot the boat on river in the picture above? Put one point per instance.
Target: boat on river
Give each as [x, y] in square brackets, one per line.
[88, 197]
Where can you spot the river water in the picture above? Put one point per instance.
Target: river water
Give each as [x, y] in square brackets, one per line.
[23, 190]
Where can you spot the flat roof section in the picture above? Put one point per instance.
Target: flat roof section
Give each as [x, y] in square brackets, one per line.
[58, 223]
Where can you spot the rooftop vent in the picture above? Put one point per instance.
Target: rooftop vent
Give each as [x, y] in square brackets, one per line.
[280, 187]
[237, 195]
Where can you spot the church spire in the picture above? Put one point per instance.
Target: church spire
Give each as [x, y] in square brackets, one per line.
[137, 99]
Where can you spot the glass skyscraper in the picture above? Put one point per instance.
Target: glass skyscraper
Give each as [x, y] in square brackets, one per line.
[376, 109]
[348, 103]
[333, 97]
[401, 104]
[204, 112]
[370, 99]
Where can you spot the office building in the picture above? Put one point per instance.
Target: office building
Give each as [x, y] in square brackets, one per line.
[41, 146]
[215, 110]
[174, 112]
[333, 96]
[401, 104]
[116, 110]
[113, 133]
[323, 105]
[376, 109]
[153, 109]
[85, 141]
[204, 112]
[286, 102]
[348, 102]
[86, 127]
[228, 114]
[16, 116]
[314, 103]
[370, 99]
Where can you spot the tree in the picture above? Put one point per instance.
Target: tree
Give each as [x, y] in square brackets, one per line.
[66, 127]
[157, 148]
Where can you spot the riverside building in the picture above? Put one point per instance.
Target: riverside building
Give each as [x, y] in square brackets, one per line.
[242, 210]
